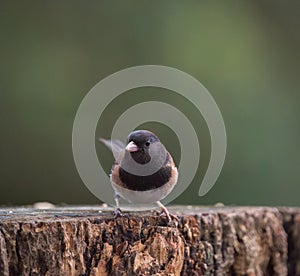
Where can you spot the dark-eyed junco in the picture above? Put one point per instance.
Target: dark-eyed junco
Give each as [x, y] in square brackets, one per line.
[144, 171]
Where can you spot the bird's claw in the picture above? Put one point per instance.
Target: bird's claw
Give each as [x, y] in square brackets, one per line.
[164, 211]
[169, 216]
[156, 213]
[118, 213]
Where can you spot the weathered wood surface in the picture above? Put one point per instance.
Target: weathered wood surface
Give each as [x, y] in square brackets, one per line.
[207, 241]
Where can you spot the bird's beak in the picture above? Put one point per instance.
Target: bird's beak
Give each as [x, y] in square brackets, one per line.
[132, 147]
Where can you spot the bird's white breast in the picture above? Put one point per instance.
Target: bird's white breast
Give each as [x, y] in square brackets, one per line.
[146, 197]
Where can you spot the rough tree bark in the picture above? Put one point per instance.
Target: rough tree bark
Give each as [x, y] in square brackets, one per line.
[207, 241]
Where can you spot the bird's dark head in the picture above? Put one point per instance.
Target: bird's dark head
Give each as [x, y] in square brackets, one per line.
[139, 143]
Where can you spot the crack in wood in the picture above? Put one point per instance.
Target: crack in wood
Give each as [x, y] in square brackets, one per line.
[207, 241]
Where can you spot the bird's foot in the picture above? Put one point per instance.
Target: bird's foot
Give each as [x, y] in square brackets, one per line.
[118, 213]
[170, 217]
[164, 212]
[155, 212]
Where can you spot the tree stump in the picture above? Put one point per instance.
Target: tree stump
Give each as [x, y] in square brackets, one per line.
[206, 241]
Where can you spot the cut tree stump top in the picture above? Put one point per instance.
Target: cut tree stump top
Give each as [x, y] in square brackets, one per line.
[207, 241]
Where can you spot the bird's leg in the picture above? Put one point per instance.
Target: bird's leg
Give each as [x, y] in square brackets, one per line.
[165, 211]
[117, 198]
[117, 213]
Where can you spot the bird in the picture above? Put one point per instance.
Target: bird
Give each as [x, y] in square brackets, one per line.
[144, 171]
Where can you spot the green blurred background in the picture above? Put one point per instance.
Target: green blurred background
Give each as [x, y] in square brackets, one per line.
[246, 53]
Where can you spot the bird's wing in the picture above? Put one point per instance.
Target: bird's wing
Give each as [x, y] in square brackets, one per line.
[116, 146]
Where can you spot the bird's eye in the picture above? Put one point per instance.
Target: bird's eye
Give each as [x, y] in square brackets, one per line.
[147, 144]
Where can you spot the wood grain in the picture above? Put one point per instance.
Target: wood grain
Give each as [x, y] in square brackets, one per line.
[87, 240]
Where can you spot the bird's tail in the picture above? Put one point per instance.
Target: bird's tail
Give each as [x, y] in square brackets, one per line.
[116, 146]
